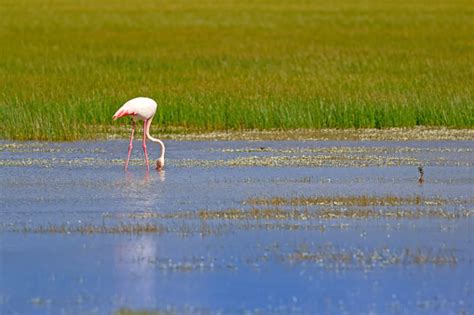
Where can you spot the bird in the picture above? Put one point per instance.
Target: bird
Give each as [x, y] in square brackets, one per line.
[141, 108]
[420, 170]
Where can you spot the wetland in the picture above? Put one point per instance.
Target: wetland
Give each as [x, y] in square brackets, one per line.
[237, 226]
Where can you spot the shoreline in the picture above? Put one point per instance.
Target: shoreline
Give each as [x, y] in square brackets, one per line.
[389, 134]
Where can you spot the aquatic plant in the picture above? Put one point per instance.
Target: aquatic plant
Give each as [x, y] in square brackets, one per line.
[100, 229]
[362, 201]
[331, 257]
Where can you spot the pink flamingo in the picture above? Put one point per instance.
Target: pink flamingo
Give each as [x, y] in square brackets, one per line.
[141, 108]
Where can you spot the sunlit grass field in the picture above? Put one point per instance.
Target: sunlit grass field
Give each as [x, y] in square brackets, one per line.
[66, 66]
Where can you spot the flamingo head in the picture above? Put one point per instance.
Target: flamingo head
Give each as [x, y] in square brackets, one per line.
[160, 163]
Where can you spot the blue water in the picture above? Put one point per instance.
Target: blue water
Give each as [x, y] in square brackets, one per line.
[227, 266]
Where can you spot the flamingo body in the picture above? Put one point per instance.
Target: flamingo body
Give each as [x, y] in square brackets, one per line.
[141, 108]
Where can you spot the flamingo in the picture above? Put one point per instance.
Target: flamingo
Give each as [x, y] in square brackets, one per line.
[141, 108]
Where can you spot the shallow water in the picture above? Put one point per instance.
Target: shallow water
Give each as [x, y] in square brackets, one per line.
[80, 235]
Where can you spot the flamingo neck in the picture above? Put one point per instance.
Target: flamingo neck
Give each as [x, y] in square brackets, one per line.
[162, 145]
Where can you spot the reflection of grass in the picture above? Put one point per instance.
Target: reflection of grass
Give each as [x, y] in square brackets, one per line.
[65, 66]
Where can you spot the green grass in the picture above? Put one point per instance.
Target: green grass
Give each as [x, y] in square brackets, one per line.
[66, 66]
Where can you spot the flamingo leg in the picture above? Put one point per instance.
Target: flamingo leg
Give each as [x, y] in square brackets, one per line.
[145, 126]
[130, 146]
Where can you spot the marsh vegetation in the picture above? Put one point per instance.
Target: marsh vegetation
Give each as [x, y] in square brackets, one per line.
[65, 67]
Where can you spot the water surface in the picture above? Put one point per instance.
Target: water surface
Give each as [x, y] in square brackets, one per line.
[80, 235]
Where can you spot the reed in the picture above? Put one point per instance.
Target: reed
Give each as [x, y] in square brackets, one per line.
[66, 66]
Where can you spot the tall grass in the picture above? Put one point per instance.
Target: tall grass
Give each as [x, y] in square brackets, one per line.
[213, 65]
